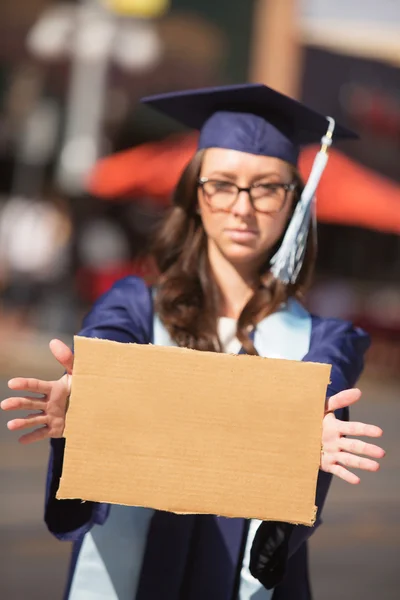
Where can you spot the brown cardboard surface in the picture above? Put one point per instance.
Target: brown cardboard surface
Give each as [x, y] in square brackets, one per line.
[194, 432]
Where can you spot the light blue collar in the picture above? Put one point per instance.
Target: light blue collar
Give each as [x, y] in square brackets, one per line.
[284, 334]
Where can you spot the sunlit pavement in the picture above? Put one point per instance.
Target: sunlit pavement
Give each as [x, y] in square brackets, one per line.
[32, 563]
[354, 556]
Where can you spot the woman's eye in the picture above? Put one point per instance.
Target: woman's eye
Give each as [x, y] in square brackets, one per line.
[269, 188]
[222, 186]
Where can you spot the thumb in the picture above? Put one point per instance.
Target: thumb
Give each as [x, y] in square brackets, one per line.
[63, 354]
[343, 399]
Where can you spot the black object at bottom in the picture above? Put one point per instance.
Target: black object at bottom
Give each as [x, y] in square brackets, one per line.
[269, 553]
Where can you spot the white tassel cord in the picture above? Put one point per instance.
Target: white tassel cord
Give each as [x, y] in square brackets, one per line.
[288, 260]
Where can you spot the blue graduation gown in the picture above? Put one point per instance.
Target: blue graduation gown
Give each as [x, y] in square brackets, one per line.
[194, 557]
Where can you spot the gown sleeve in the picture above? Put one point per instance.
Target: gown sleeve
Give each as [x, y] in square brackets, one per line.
[343, 346]
[124, 314]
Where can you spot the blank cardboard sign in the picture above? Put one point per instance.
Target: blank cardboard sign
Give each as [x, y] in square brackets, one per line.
[194, 432]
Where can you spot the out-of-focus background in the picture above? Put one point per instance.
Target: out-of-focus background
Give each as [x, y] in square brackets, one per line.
[86, 173]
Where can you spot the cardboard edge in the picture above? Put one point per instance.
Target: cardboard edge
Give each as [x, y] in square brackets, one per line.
[309, 523]
[176, 349]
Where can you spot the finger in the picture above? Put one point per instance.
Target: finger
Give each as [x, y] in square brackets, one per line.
[344, 474]
[63, 354]
[343, 399]
[29, 421]
[357, 462]
[23, 403]
[360, 447]
[34, 436]
[36, 386]
[358, 429]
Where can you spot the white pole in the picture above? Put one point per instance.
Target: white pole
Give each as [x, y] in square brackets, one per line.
[94, 34]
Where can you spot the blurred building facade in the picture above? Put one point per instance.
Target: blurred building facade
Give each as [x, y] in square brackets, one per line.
[71, 76]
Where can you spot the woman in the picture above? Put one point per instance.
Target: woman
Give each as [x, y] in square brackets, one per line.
[235, 255]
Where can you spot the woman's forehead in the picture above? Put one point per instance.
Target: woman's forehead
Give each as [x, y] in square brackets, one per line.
[232, 161]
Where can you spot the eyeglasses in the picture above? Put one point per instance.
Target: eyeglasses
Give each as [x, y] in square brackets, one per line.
[264, 197]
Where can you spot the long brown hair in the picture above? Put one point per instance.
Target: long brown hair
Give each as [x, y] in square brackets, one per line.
[188, 298]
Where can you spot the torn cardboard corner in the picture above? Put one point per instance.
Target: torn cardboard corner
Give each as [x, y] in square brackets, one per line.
[194, 432]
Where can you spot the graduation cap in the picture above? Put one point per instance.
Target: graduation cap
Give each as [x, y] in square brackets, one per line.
[250, 117]
[256, 119]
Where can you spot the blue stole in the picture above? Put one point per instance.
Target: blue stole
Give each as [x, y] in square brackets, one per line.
[136, 549]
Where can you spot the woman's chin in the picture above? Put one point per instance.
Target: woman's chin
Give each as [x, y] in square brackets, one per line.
[240, 254]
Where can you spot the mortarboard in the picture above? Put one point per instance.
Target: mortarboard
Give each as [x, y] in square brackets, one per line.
[256, 119]
[250, 118]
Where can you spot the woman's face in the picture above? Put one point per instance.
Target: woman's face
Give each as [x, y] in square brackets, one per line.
[241, 234]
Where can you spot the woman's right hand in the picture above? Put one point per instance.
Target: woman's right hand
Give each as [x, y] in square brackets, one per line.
[49, 422]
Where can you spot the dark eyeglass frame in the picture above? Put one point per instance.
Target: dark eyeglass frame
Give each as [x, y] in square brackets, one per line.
[287, 187]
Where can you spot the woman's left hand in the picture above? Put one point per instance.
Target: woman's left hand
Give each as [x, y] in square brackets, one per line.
[338, 451]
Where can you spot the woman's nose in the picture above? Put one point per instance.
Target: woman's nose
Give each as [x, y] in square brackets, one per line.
[243, 205]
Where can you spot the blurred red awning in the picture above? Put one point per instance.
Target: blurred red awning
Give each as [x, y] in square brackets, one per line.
[348, 194]
[351, 194]
[150, 170]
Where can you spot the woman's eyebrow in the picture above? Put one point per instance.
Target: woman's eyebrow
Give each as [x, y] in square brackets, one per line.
[226, 174]
[233, 176]
[267, 175]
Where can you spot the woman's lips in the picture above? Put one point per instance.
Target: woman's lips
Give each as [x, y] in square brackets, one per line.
[241, 235]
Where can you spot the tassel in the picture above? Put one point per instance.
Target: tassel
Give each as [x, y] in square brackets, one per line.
[288, 260]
